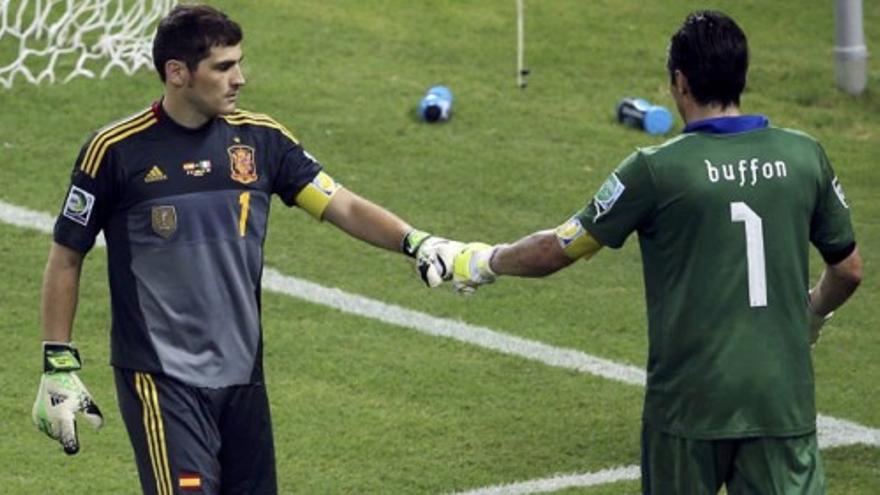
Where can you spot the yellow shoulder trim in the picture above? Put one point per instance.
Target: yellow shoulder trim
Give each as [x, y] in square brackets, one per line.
[241, 117]
[112, 134]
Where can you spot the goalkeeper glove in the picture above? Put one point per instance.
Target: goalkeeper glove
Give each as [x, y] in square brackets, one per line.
[61, 395]
[471, 267]
[433, 255]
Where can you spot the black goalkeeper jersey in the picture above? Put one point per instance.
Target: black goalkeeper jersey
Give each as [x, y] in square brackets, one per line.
[184, 213]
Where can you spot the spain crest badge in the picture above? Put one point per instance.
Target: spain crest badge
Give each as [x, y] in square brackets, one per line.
[242, 163]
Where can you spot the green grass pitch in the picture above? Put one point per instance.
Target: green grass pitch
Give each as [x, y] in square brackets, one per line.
[362, 406]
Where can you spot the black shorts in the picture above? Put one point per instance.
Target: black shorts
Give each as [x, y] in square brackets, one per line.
[191, 440]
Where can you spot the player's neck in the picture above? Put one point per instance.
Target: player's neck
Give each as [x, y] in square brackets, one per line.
[183, 113]
[702, 112]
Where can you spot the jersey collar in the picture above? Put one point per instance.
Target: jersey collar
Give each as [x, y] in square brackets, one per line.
[728, 125]
[165, 120]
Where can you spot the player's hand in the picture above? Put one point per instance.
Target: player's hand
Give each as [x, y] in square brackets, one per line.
[434, 259]
[471, 267]
[61, 395]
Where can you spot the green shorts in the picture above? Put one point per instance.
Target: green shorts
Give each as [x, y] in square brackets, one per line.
[758, 465]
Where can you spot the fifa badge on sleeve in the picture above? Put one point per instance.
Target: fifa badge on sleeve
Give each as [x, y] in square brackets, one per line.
[78, 206]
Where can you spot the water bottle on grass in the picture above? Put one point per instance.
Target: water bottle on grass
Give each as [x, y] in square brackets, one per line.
[641, 114]
[436, 105]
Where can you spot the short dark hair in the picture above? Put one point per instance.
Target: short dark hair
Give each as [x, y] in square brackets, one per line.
[711, 50]
[189, 32]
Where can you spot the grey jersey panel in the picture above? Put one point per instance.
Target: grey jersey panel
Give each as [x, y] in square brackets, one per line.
[197, 280]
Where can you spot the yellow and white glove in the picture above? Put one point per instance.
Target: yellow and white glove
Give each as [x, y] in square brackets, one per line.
[471, 267]
[433, 255]
[61, 395]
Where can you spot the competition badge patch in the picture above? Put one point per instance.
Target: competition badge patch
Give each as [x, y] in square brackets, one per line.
[78, 206]
[608, 195]
[838, 190]
[164, 220]
[242, 163]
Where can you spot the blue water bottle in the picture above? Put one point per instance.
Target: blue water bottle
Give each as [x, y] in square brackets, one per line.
[640, 114]
[436, 105]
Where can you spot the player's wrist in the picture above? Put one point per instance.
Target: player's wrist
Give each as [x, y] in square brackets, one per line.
[487, 268]
[412, 241]
[60, 357]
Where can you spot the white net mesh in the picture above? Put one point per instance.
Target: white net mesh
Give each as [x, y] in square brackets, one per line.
[41, 40]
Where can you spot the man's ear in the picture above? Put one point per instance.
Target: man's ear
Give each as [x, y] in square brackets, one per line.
[681, 83]
[176, 73]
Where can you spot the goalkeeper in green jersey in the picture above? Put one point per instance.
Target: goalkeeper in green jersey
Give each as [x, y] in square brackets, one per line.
[725, 214]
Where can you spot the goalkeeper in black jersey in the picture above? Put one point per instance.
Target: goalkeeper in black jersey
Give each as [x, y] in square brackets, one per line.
[181, 191]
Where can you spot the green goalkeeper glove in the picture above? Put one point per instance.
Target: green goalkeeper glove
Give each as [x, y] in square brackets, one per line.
[61, 395]
[471, 267]
[433, 255]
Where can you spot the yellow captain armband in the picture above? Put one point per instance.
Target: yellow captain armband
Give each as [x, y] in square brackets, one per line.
[316, 195]
[575, 240]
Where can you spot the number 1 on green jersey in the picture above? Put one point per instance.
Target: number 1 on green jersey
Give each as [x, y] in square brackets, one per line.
[740, 212]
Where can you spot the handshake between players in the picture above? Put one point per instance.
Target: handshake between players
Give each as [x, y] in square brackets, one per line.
[466, 265]
[470, 265]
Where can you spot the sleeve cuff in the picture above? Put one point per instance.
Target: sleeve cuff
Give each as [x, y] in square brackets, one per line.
[835, 256]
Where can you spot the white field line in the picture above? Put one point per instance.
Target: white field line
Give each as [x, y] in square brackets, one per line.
[561, 482]
[833, 432]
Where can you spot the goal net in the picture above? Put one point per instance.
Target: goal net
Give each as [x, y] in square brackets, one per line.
[45, 40]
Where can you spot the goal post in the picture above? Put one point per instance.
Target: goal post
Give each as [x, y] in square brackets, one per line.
[50, 40]
[850, 52]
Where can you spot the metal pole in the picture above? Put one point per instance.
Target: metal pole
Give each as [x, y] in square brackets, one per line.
[850, 52]
[521, 70]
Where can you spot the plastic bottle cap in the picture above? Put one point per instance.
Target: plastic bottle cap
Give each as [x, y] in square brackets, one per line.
[658, 120]
[433, 113]
[434, 108]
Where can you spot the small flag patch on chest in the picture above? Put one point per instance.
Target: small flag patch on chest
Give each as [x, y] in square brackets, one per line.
[197, 169]
[189, 481]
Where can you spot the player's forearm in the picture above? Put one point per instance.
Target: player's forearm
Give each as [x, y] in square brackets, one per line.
[535, 255]
[60, 293]
[366, 221]
[837, 284]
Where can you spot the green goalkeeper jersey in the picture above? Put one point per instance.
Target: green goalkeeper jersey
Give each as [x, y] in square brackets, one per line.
[725, 216]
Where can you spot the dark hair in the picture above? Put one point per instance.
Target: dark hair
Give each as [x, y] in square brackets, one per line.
[711, 50]
[189, 32]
